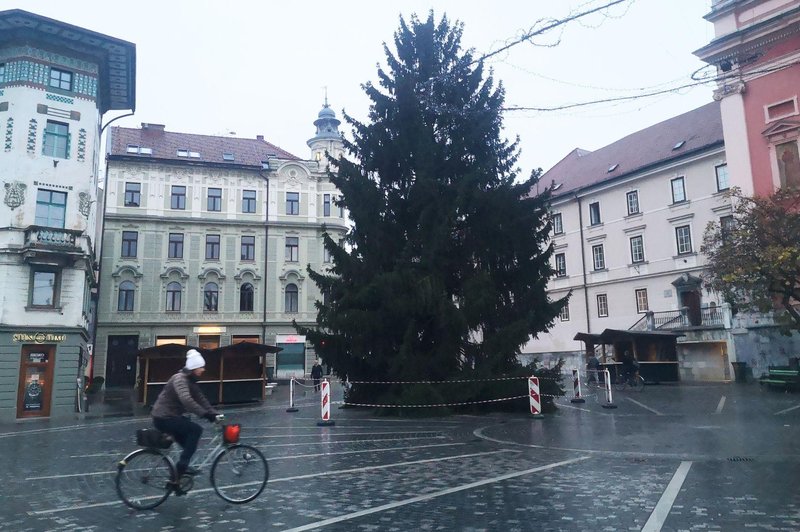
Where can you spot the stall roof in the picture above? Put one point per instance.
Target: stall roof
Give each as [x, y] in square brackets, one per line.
[179, 350]
[246, 348]
[168, 351]
[609, 336]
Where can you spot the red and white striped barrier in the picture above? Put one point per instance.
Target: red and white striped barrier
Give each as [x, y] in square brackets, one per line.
[325, 404]
[576, 387]
[609, 401]
[291, 408]
[535, 397]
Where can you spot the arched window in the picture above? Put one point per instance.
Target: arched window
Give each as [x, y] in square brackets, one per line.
[174, 297]
[126, 293]
[290, 302]
[246, 298]
[211, 297]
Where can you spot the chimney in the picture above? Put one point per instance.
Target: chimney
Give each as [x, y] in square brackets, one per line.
[152, 127]
[259, 137]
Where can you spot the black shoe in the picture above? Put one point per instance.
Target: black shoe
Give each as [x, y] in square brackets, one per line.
[189, 471]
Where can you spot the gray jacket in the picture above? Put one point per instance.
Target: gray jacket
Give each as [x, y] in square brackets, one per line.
[181, 395]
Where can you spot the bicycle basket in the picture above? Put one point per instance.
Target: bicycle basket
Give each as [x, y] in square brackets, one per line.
[152, 438]
[230, 433]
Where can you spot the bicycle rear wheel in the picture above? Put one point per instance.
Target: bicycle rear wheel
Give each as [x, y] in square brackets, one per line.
[637, 383]
[143, 479]
[239, 473]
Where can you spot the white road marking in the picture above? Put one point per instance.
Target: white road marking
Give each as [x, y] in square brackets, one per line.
[328, 434]
[298, 477]
[787, 410]
[721, 405]
[574, 407]
[653, 410]
[434, 495]
[664, 505]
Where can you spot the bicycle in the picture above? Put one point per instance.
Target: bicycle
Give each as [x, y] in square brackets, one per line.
[632, 379]
[147, 476]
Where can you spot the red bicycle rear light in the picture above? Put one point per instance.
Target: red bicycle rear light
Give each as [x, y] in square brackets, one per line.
[230, 433]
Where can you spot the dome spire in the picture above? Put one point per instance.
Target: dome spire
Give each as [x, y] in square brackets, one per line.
[327, 137]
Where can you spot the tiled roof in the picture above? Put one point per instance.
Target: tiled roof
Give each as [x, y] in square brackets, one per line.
[698, 130]
[203, 148]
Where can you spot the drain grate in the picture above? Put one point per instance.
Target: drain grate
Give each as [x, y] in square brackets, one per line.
[740, 459]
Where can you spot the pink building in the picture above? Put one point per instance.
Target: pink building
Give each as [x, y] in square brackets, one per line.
[756, 52]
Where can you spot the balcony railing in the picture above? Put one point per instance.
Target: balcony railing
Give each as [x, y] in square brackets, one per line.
[69, 242]
[681, 319]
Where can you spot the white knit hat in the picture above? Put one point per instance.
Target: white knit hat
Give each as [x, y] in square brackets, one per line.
[194, 359]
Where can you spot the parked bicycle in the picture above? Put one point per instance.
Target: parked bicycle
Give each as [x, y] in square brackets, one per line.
[147, 476]
[630, 380]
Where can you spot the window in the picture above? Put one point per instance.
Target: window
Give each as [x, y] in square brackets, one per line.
[326, 255]
[678, 190]
[51, 208]
[602, 305]
[292, 249]
[227, 157]
[61, 79]
[340, 203]
[125, 299]
[211, 297]
[558, 224]
[726, 225]
[292, 203]
[174, 297]
[561, 265]
[133, 195]
[598, 257]
[641, 300]
[248, 248]
[129, 242]
[632, 199]
[637, 249]
[44, 288]
[564, 314]
[246, 298]
[788, 164]
[594, 213]
[683, 237]
[2, 72]
[56, 140]
[175, 246]
[214, 199]
[212, 247]
[178, 198]
[291, 299]
[326, 205]
[722, 177]
[248, 201]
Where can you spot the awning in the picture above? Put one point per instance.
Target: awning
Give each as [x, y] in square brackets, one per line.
[168, 351]
[245, 349]
[610, 336]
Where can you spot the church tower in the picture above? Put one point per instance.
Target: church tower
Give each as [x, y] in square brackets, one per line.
[328, 138]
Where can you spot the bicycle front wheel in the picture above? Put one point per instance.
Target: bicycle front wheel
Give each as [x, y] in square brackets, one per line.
[239, 473]
[620, 383]
[638, 383]
[143, 479]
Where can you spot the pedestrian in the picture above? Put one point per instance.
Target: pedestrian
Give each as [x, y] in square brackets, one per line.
[316, 374]
[182, 394]
[592, 368]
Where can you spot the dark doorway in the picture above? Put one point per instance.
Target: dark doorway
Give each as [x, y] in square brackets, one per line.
[691, 300]
[121, 361]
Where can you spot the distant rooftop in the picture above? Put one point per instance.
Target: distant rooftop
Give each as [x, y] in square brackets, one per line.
[154, 142]
[672, 139]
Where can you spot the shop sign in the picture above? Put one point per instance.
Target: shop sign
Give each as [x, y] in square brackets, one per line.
[290, 339]
[39, 337]
[37, 358]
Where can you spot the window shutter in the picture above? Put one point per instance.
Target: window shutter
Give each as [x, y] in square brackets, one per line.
[69, 142]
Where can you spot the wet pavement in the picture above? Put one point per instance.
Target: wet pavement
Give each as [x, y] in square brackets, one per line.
[704, 457]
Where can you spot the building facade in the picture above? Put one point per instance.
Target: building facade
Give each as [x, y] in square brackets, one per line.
[628, 222]
[206, 241]
[56, 83]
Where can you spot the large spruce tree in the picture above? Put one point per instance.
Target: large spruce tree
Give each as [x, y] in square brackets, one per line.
[445, 268]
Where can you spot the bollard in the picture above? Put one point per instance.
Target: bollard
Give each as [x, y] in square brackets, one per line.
[325, 404]
[291, 396]
[609, 401]
[576, 387]
[535, 398]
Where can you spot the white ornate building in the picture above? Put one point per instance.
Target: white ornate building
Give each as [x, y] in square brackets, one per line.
[56, 83]
[206, 241]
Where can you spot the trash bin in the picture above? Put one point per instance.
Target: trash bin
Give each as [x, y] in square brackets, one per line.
[740, 371]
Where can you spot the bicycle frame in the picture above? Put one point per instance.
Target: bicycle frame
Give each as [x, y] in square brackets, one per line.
[212, 450]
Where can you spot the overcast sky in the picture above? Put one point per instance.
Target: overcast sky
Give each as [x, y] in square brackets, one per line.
[214, 67]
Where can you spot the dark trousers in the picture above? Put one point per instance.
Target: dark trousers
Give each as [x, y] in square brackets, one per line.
[316, 385]
[186, 432]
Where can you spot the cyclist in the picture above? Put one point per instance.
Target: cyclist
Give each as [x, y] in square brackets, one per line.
[630, 367]
[181, 394]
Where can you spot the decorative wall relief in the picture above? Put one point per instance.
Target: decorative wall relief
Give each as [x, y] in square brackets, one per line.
[82, 145]
[84, 204]
[9, 133]
[15, 194]
[32, 125]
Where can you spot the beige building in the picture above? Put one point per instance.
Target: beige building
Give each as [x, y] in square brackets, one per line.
[206, 241]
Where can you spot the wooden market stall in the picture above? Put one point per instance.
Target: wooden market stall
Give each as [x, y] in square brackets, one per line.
[234, 373]
[655, 351]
